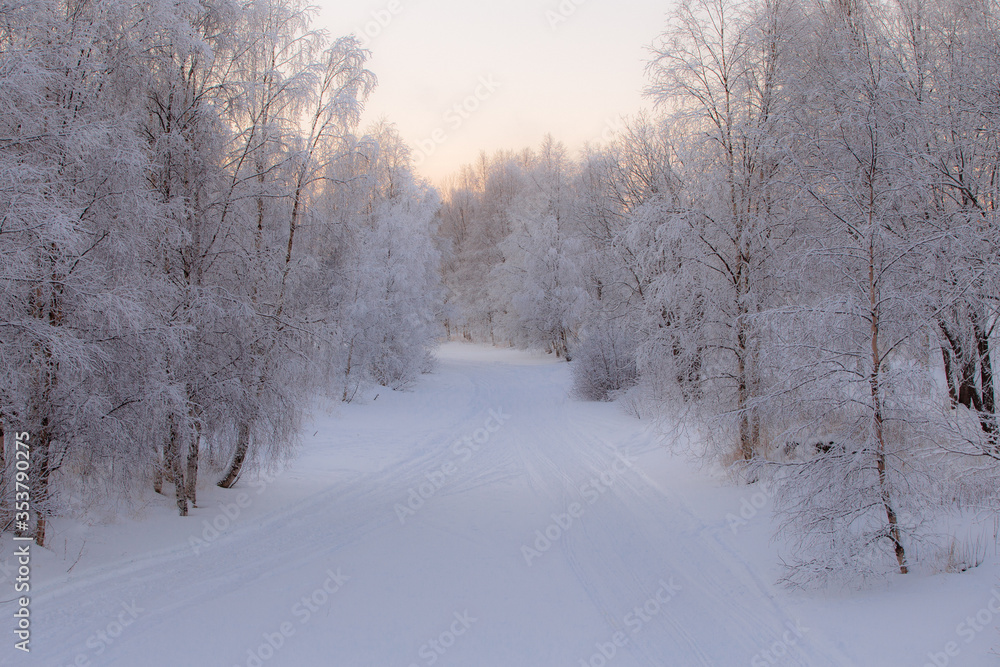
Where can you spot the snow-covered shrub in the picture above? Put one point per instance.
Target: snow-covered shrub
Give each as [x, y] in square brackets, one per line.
[605, 361]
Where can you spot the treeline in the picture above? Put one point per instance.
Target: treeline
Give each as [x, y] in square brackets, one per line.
[800, 254]
[195, 241]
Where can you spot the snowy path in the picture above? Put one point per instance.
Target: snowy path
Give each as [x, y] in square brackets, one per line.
[342, 575]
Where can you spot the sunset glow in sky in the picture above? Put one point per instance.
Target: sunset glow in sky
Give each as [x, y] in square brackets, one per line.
[459, 76]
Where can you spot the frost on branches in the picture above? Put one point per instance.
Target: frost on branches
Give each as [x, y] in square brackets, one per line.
[799, 255]
[195, 239]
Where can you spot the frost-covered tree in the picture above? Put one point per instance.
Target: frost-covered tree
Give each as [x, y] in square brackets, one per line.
[515, 257]
[631, 174]
[478, 214]
[329, 107]
[539, 279]
[950, 51]
[719, 68]
[166, 245]
[74, 227]
[384, 278]
[852, 395]
[803, 244]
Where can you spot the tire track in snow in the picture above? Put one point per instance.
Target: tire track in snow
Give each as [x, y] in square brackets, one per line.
[62, 628]
[721, 590]
[615, 553]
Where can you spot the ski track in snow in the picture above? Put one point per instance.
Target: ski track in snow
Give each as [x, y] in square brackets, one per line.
[460, 553]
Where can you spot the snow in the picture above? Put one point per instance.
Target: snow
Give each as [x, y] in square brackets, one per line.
[483, 517]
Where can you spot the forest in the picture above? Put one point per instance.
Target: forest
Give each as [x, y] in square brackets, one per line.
[196, 240]
[796, 256]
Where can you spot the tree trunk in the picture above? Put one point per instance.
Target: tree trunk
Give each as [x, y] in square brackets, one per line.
[987, 406]
[878, 427]
[968, 391]
[560, 346]
[749, 424]
[158, 472]
[960, 366]
[239, 457]
[347, 373]
[173, 464]
[40, 488]
[191, 479]
[949, 373]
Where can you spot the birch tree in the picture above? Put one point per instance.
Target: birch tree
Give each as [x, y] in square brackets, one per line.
[854, 319]
[73, 226]
[718, 70]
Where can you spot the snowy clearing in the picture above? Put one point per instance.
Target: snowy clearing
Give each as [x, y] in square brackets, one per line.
[482, 518]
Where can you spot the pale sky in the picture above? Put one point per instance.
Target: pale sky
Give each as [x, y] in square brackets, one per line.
[516, 69]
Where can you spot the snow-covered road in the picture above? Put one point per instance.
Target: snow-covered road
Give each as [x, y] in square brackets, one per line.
[481, 518]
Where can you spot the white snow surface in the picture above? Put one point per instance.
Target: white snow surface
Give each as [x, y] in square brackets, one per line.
[319, 565]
